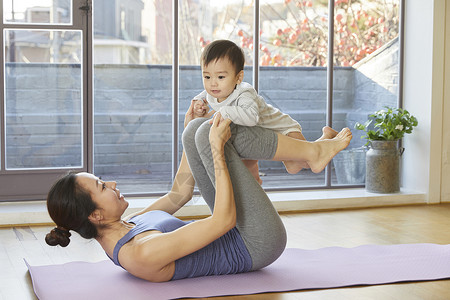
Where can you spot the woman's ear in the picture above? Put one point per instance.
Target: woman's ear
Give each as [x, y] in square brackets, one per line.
[95, 217]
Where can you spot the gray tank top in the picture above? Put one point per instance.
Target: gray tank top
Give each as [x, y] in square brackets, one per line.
[226, 255]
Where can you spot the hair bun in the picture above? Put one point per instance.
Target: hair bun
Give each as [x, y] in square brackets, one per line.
[58, 236]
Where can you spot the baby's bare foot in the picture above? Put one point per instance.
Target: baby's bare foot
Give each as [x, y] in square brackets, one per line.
[328, 148]
[327, 133]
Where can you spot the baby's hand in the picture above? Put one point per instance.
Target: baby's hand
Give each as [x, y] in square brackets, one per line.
[200, 108]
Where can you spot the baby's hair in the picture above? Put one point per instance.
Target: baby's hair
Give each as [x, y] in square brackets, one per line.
[224, 49]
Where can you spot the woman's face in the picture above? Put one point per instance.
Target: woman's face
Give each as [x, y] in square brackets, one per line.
[105, 194]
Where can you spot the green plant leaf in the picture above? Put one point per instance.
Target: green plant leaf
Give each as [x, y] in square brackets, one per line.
[388, 124]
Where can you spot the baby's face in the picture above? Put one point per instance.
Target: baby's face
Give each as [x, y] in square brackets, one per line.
[220, 79]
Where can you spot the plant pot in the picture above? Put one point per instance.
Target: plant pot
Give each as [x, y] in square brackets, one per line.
[383, 167]
[350, 166]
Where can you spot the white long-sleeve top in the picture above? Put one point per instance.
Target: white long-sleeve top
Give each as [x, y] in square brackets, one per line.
[245, 107]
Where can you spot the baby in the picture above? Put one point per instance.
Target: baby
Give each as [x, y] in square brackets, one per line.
[222, 64]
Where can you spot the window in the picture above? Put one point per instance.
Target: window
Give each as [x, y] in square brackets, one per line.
[114, 117]
[293, 75]
[132, 95]
[366, 75]
[37, 12]
[42, 106]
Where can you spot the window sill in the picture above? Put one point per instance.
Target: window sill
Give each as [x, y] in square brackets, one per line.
[20, 213]
[316, 200]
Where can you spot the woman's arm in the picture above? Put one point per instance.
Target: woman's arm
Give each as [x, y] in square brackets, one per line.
[153, 258]
[224, 205]
[180, 193]
[183, 184]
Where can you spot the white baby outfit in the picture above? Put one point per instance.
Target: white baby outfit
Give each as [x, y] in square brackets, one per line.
[245, 107]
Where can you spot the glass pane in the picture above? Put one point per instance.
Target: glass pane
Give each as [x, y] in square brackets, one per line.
[201, 23]
[293, 75]
[37, 11]
[133, 94]
[43, 99]
[366, 74]
[206, 21]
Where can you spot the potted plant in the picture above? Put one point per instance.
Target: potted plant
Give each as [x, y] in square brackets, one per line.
[383, 131]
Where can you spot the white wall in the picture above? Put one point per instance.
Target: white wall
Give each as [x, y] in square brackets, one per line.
[445, 179]
[423, 95]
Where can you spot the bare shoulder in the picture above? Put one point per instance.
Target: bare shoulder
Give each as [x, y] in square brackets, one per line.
[141, 258]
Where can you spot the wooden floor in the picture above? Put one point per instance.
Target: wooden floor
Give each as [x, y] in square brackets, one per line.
[393, 225]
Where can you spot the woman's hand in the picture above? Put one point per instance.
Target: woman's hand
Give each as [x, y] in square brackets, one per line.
[220, 131]
[190, 115]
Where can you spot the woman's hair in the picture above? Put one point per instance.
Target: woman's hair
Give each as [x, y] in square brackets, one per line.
[224, 49]
[69, 205]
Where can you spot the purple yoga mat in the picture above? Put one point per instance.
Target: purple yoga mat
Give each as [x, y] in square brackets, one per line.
[296, 269]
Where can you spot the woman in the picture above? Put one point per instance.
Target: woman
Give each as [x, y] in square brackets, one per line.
[243, 233]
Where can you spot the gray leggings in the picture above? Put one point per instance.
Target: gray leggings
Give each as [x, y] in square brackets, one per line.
[258, 222]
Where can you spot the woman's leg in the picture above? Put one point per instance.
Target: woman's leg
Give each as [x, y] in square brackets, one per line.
[258, 222]
[201, 178]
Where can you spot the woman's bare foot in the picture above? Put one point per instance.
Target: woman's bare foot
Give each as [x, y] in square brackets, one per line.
[328, 148]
